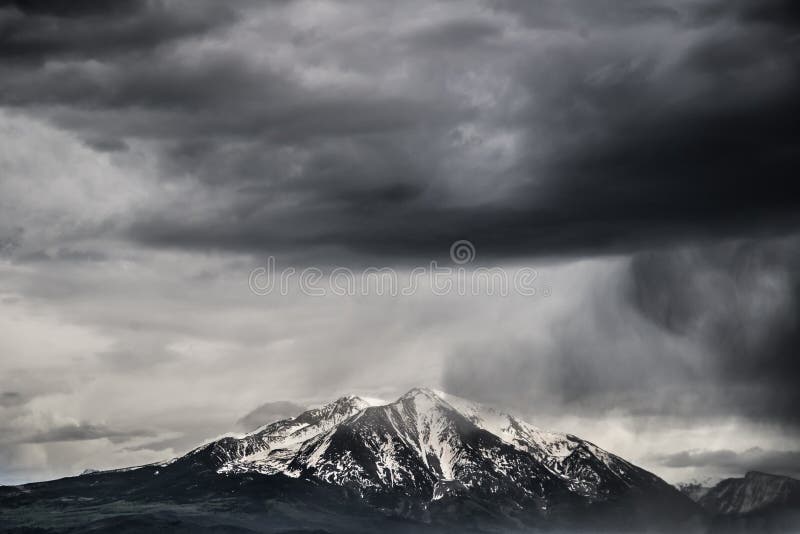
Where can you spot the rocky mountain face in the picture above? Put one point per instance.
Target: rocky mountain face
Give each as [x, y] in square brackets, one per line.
[427, 461]
[757, 502]
[756, 492]
[425, 438]
[428, 446]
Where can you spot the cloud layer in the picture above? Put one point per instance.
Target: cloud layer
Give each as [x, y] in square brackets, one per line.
[530, 127]
[732, 462]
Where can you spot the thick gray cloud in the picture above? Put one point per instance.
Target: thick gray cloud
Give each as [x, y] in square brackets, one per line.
[82, 432]
[35, 31]
[528, 127]
[728, 461]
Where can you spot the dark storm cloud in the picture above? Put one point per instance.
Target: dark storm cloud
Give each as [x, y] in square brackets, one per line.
[707, 146]
[268, 413]
[564, 14]
[742, 303]
[623, 139]
[777, 12]
[456, 34]
[694, 332]
[74, 8]
[560, 14]
[725, 460]
[45, 30]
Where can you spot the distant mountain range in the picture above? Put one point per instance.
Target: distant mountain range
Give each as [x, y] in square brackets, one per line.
[427, 462]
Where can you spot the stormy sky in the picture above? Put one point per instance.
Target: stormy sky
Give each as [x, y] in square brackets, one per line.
[638, 155]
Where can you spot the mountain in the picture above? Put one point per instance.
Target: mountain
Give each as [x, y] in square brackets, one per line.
[427, 437]
[757, 502]
[426, 462]
[756, 492]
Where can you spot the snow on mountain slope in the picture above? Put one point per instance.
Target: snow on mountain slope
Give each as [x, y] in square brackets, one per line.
[270, 448]
[429, 444]
[585, 467]
[414, 443]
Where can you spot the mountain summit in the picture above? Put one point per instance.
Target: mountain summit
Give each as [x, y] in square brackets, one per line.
[427, 460]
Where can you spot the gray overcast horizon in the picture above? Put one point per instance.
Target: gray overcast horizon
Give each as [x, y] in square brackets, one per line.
[640, 156]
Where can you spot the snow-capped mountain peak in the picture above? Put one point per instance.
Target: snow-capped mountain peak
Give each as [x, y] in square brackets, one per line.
[426, 454]
[429, 444]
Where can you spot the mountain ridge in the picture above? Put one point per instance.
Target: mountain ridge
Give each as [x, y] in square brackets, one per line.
[754, 493]
[428, 447]
[275, 447]
[425, 461]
